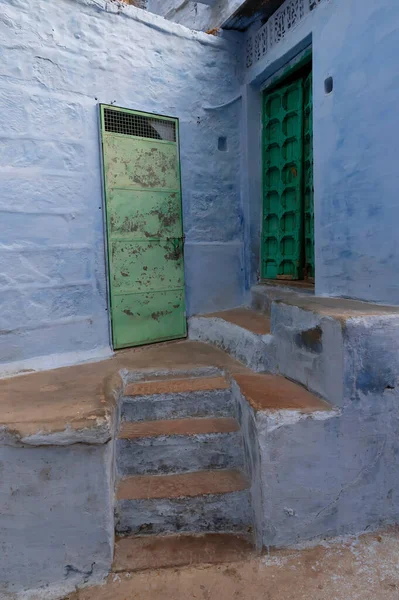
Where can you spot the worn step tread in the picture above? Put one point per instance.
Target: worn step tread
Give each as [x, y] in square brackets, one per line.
[246, 318]
[155, 552]
[191, 426]
[176, 386]
[189, 485]
[274, 392]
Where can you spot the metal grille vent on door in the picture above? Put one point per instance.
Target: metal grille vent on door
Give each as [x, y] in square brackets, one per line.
[140, 126]
[144, 226]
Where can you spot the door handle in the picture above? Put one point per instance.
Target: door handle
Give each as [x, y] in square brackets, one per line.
[178, 247]
[182, 238]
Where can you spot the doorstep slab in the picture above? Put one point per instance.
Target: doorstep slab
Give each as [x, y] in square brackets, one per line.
[246, 318]
[341, 309]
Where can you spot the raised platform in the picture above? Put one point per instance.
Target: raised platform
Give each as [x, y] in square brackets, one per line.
[196, 442]
[77, 404]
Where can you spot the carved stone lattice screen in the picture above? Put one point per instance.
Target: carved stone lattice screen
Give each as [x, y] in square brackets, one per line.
[280, 23]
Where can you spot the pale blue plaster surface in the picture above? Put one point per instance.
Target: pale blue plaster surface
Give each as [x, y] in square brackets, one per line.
[56, 519]
[58, 61]
[355, 146]
[61, 60]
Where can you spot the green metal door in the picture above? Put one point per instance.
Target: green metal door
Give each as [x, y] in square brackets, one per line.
[144, 226]
[287, 227]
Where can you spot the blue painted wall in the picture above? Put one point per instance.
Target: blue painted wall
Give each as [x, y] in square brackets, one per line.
[58, 60]
[356, 144]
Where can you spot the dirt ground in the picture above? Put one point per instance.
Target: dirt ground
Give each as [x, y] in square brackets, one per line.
[362, 568]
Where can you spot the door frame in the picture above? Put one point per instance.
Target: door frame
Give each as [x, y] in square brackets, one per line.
[104, 211]
[272, 83]
[288, 71]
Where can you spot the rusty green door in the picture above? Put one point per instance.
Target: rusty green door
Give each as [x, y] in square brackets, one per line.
[144, 226]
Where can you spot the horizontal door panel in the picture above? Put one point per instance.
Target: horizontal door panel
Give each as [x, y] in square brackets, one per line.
[153, 317]
[141, 214]
[143, 164]
[147, 266]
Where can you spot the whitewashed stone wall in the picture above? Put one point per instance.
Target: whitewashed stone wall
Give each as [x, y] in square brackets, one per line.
[58, 61]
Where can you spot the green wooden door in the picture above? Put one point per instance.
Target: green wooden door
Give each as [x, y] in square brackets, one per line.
[287, 227]
[308, 195]
[144, 226]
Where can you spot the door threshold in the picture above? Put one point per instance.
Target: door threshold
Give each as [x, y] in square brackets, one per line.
[289, 283]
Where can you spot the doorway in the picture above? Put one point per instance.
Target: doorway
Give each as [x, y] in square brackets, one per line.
[287, 243]
[142, 191]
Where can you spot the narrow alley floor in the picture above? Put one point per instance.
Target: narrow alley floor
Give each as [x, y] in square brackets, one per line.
[351, 568]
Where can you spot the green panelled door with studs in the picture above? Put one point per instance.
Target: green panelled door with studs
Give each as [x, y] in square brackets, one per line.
[308, 196]
[144, 226]
[287, 182]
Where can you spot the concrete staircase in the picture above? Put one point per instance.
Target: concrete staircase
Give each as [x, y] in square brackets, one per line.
[194, 458]
[183, 493]
[197, 477]
[264, 449]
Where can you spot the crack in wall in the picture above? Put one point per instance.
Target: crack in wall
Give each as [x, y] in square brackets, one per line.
[354, 481]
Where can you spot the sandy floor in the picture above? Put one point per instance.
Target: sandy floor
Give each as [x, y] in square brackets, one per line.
[365, 568]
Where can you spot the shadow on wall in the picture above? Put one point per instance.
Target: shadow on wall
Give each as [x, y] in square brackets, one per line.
[138, 3]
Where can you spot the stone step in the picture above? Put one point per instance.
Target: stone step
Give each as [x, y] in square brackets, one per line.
[186, 485]
[263, 295]
[178, 398]
[246, 318]
[291, 439]
[202, 501]
[242, 332]
[179, 445]
[169, 427]
[155, 552]
[313, 336]
[169, 385]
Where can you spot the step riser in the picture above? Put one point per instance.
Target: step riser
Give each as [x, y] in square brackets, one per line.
[261, 302]
[177, 454]
[255, 351]
[156, 552]
[262, 297]
[215, 403]
[213, 513]
[309, 350]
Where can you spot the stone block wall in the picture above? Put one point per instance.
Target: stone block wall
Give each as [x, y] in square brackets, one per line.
[56, 518]
[322, 474]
